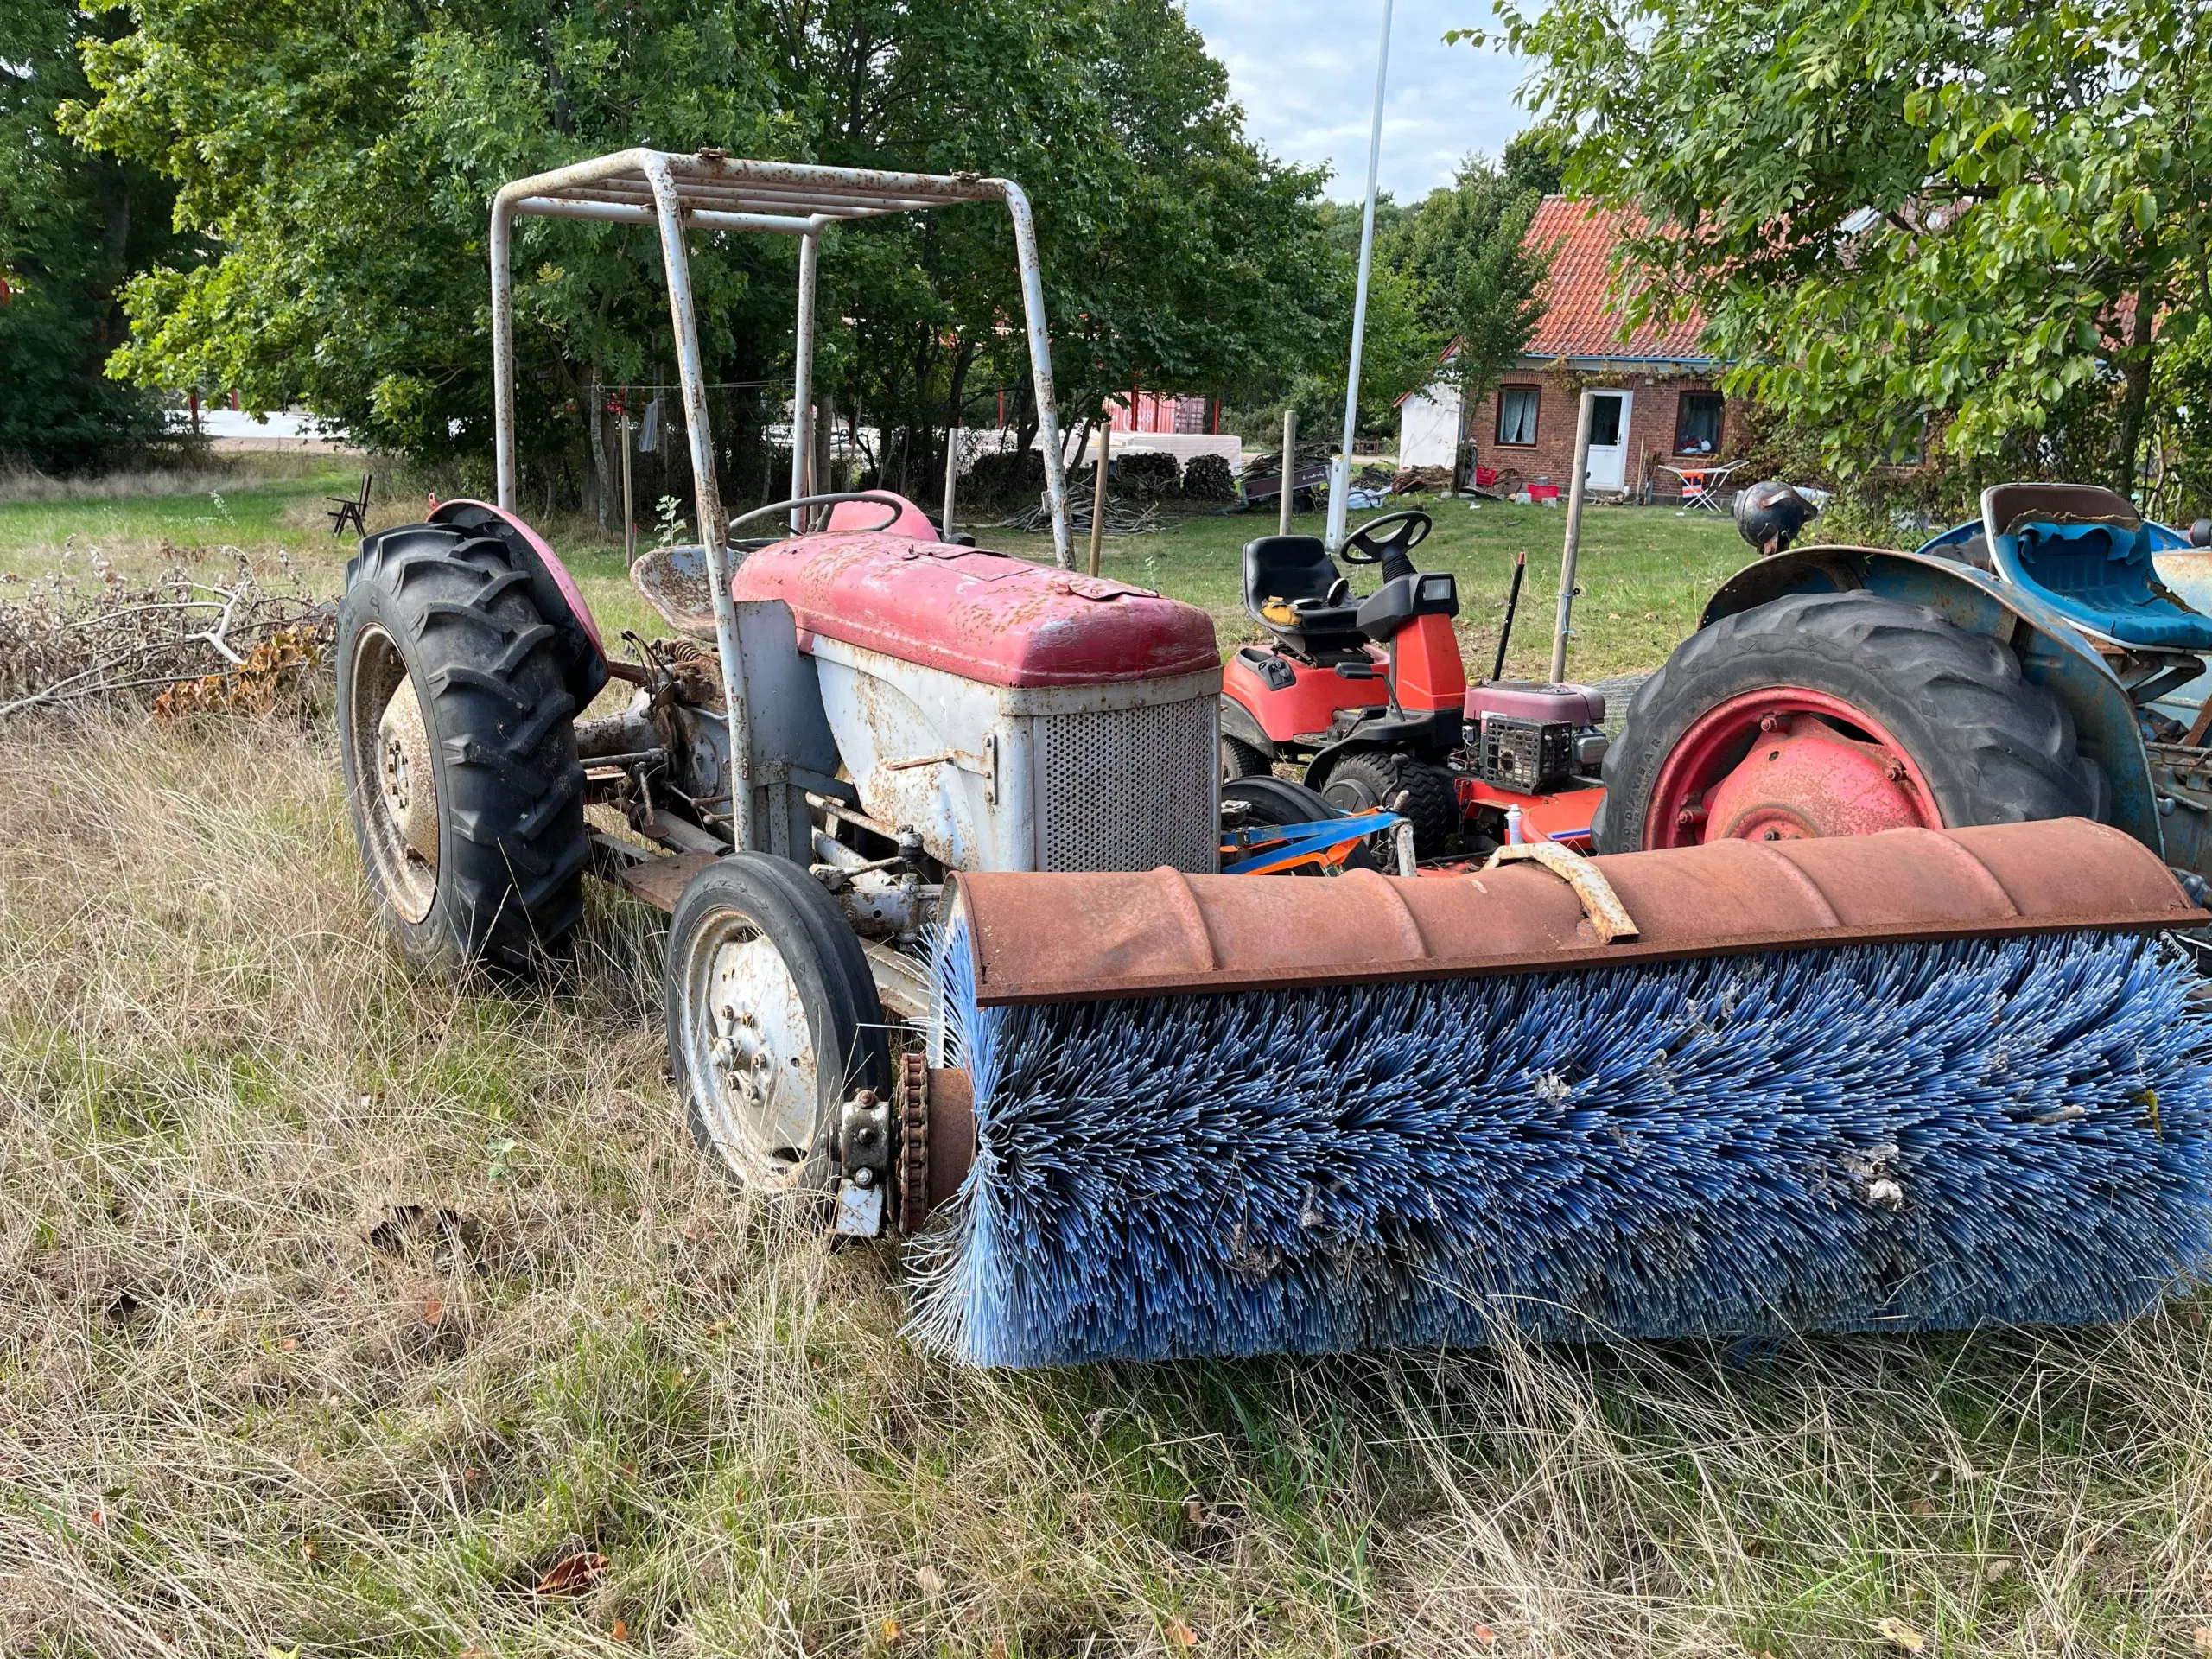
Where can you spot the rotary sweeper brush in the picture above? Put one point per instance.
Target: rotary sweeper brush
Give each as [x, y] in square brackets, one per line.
[1712, 1091]
[941, 835]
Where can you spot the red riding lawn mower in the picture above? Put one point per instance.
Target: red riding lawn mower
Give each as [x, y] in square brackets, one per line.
[1370, 696]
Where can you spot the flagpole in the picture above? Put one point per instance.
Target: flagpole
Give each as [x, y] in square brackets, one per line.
[1340, 469]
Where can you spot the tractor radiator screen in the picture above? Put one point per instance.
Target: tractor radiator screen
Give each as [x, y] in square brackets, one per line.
[1129, 788]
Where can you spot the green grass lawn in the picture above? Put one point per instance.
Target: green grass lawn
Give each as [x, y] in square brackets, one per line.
[1646, 572]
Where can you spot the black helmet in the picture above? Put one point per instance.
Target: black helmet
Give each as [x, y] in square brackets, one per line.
[1769, 514]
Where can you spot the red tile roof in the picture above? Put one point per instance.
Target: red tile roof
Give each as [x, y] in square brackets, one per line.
[1581, 318]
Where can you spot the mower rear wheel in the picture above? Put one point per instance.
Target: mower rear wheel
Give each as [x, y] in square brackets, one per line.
[1838, 714]
[456, 738]
[1375, 781]
[773, 1019]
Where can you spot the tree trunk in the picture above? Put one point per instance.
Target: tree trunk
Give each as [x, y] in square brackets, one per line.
[2135, 394]
[962, 356]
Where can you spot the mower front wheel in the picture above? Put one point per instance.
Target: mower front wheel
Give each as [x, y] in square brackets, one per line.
[1240, 759]
[773, 1019]
[1371, 780]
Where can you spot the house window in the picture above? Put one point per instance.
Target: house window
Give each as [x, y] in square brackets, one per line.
[1516, 415]
[1697, 423]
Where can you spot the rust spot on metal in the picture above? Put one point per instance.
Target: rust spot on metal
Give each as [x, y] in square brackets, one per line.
[660, 881]
[952, 1131]
[673, 581]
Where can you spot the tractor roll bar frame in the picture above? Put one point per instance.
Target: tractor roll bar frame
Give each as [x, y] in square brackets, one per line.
[708, 191]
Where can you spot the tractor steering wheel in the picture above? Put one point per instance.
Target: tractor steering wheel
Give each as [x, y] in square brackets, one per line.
[1409, 529]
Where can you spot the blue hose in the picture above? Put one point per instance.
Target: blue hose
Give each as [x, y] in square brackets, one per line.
[1897, 1138]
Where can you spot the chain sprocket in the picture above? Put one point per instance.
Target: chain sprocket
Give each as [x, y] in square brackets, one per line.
[912, 1100]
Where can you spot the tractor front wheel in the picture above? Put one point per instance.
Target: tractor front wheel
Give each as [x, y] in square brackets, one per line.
[1838, 715]
[773, 1019]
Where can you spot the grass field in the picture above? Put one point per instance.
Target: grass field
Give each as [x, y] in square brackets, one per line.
[340, 1310]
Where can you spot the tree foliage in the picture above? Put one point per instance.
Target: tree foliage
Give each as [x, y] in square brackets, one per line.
[1464, 249]
[72, 228]
[342, 155]
[1450, 267]
[1985, 220]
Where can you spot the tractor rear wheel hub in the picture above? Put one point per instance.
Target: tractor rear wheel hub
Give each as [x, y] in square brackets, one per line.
[1804, 777]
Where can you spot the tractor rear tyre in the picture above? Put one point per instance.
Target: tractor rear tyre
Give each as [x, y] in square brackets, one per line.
[457, 740]
[1838, 714]
[772, 1019]
[1372, 780]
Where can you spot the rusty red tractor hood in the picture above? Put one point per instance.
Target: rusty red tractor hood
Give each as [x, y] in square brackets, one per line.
[982, 615]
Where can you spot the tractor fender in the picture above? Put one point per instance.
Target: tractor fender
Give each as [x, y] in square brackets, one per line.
[2051, 654]
[1241, 723]
[560, 601]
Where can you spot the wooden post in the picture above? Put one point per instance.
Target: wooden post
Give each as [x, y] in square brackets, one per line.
[1575, 492]
[627, 426]
[1098, 497]
[1289, 469]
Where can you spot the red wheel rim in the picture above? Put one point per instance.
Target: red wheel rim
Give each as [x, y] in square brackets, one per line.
[1785, 763]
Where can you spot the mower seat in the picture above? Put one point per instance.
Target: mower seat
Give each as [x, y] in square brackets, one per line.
[2086, 553]
[1297, 571]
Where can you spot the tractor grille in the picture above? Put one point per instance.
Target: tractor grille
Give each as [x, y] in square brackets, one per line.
[1130, 789]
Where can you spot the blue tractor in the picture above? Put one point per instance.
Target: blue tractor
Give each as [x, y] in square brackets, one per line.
[2048, 660]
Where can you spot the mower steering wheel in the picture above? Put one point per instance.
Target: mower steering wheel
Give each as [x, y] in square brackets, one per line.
[1409, 527]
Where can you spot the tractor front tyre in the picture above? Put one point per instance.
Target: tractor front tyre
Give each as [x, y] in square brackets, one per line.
[772, 1019]
[1375, 781]
[1838, 714]
[457, 740]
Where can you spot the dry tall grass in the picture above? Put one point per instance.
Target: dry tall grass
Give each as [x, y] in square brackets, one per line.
[339, 1309]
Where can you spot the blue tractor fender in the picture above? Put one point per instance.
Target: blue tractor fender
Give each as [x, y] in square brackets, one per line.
[2051, 654]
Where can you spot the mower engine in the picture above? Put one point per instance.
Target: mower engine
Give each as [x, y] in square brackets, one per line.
[1534, 739]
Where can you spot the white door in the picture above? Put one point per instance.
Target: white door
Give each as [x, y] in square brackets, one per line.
[1608, 440]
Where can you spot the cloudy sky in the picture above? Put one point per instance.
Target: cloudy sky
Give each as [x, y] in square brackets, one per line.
[1305, 72]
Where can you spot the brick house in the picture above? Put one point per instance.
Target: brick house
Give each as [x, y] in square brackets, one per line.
[1656, 404]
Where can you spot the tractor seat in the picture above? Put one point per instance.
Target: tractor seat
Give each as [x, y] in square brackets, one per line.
[2097, 571]
[1297, 572]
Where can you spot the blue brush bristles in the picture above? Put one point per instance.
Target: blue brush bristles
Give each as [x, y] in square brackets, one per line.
[1906, 1137]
